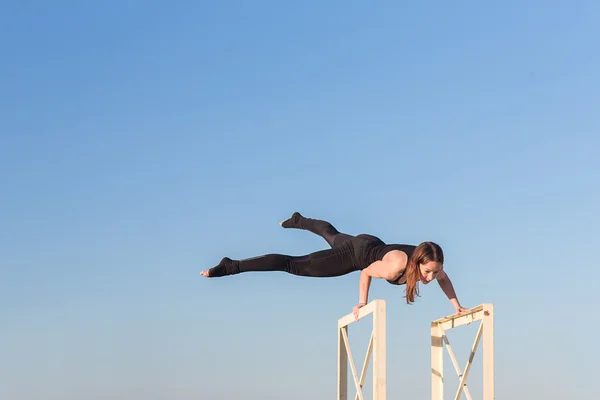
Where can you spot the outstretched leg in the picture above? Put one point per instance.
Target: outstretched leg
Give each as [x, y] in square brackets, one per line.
[321, 264]
[317, 226]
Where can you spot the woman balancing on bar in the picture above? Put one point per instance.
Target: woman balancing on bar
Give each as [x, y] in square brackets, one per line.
[399, 264]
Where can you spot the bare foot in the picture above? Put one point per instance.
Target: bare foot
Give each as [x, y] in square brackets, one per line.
[293, 221]
[204, 273]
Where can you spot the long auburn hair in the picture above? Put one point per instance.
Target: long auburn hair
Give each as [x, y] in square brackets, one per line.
[424, 253]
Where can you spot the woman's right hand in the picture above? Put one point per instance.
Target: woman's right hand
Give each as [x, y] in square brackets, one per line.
[355, 310]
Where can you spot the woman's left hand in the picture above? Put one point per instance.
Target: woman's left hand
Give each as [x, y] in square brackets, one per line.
[460, 309]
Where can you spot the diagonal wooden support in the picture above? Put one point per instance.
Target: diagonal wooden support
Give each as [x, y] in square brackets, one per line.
[455, 362]
[358, 385]
[363, 374]
[463, 379]
[483, 313]
[376, 348]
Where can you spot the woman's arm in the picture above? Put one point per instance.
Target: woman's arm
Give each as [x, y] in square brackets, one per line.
[388, 268]
[364, 283]
[448, 289]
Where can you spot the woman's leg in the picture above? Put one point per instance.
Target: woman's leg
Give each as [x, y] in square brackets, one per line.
[322, 228]
[320, 264]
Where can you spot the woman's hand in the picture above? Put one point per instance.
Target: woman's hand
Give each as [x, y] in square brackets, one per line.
[355, 310]
[460, 309]
[446, 285]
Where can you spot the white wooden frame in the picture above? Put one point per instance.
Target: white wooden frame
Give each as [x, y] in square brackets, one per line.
[483, 313]
[377, 346]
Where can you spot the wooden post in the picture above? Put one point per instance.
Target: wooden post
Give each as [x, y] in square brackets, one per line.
[483, 313]
[488, 352]
[342, 388]
[377, 346]
[437, 363]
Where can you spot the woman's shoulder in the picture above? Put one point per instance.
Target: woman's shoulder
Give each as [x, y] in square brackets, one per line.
[408, 249]
[396, 254]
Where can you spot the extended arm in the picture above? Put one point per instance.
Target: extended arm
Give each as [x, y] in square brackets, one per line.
[364, 283]
[388, 268]
[363, 287]
[448, 289]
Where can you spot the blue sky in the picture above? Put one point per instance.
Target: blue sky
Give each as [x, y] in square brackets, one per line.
[140, 142]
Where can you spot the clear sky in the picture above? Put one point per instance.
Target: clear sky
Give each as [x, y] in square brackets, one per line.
[142, 141]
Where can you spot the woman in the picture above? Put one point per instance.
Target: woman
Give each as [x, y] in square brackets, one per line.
[399, 264]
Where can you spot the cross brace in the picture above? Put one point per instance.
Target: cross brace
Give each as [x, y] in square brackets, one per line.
[439, 339]
[376, 350]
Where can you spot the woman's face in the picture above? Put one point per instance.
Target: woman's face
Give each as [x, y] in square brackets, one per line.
[429, 271]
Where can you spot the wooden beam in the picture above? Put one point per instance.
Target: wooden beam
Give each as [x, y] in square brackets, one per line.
[485, 314]
[362, 312]
[464, 318]
[377, 346]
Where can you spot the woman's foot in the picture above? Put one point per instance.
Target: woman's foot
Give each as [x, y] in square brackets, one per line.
[293, 221]
[221, 269]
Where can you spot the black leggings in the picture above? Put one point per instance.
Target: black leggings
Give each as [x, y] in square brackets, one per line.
[336, 261]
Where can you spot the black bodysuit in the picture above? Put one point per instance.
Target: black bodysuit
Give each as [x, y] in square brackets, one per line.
[371, 249]
[347, 254]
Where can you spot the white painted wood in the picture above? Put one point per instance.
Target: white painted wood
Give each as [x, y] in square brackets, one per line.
[437, 362]
[363, 374]
[379, 352]
[342, 372]
[455, 363]
[488, 352]
[464, 318]
[483, 313]
[368, 309]
[351, 362]
[376, 348]
[463, 379]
